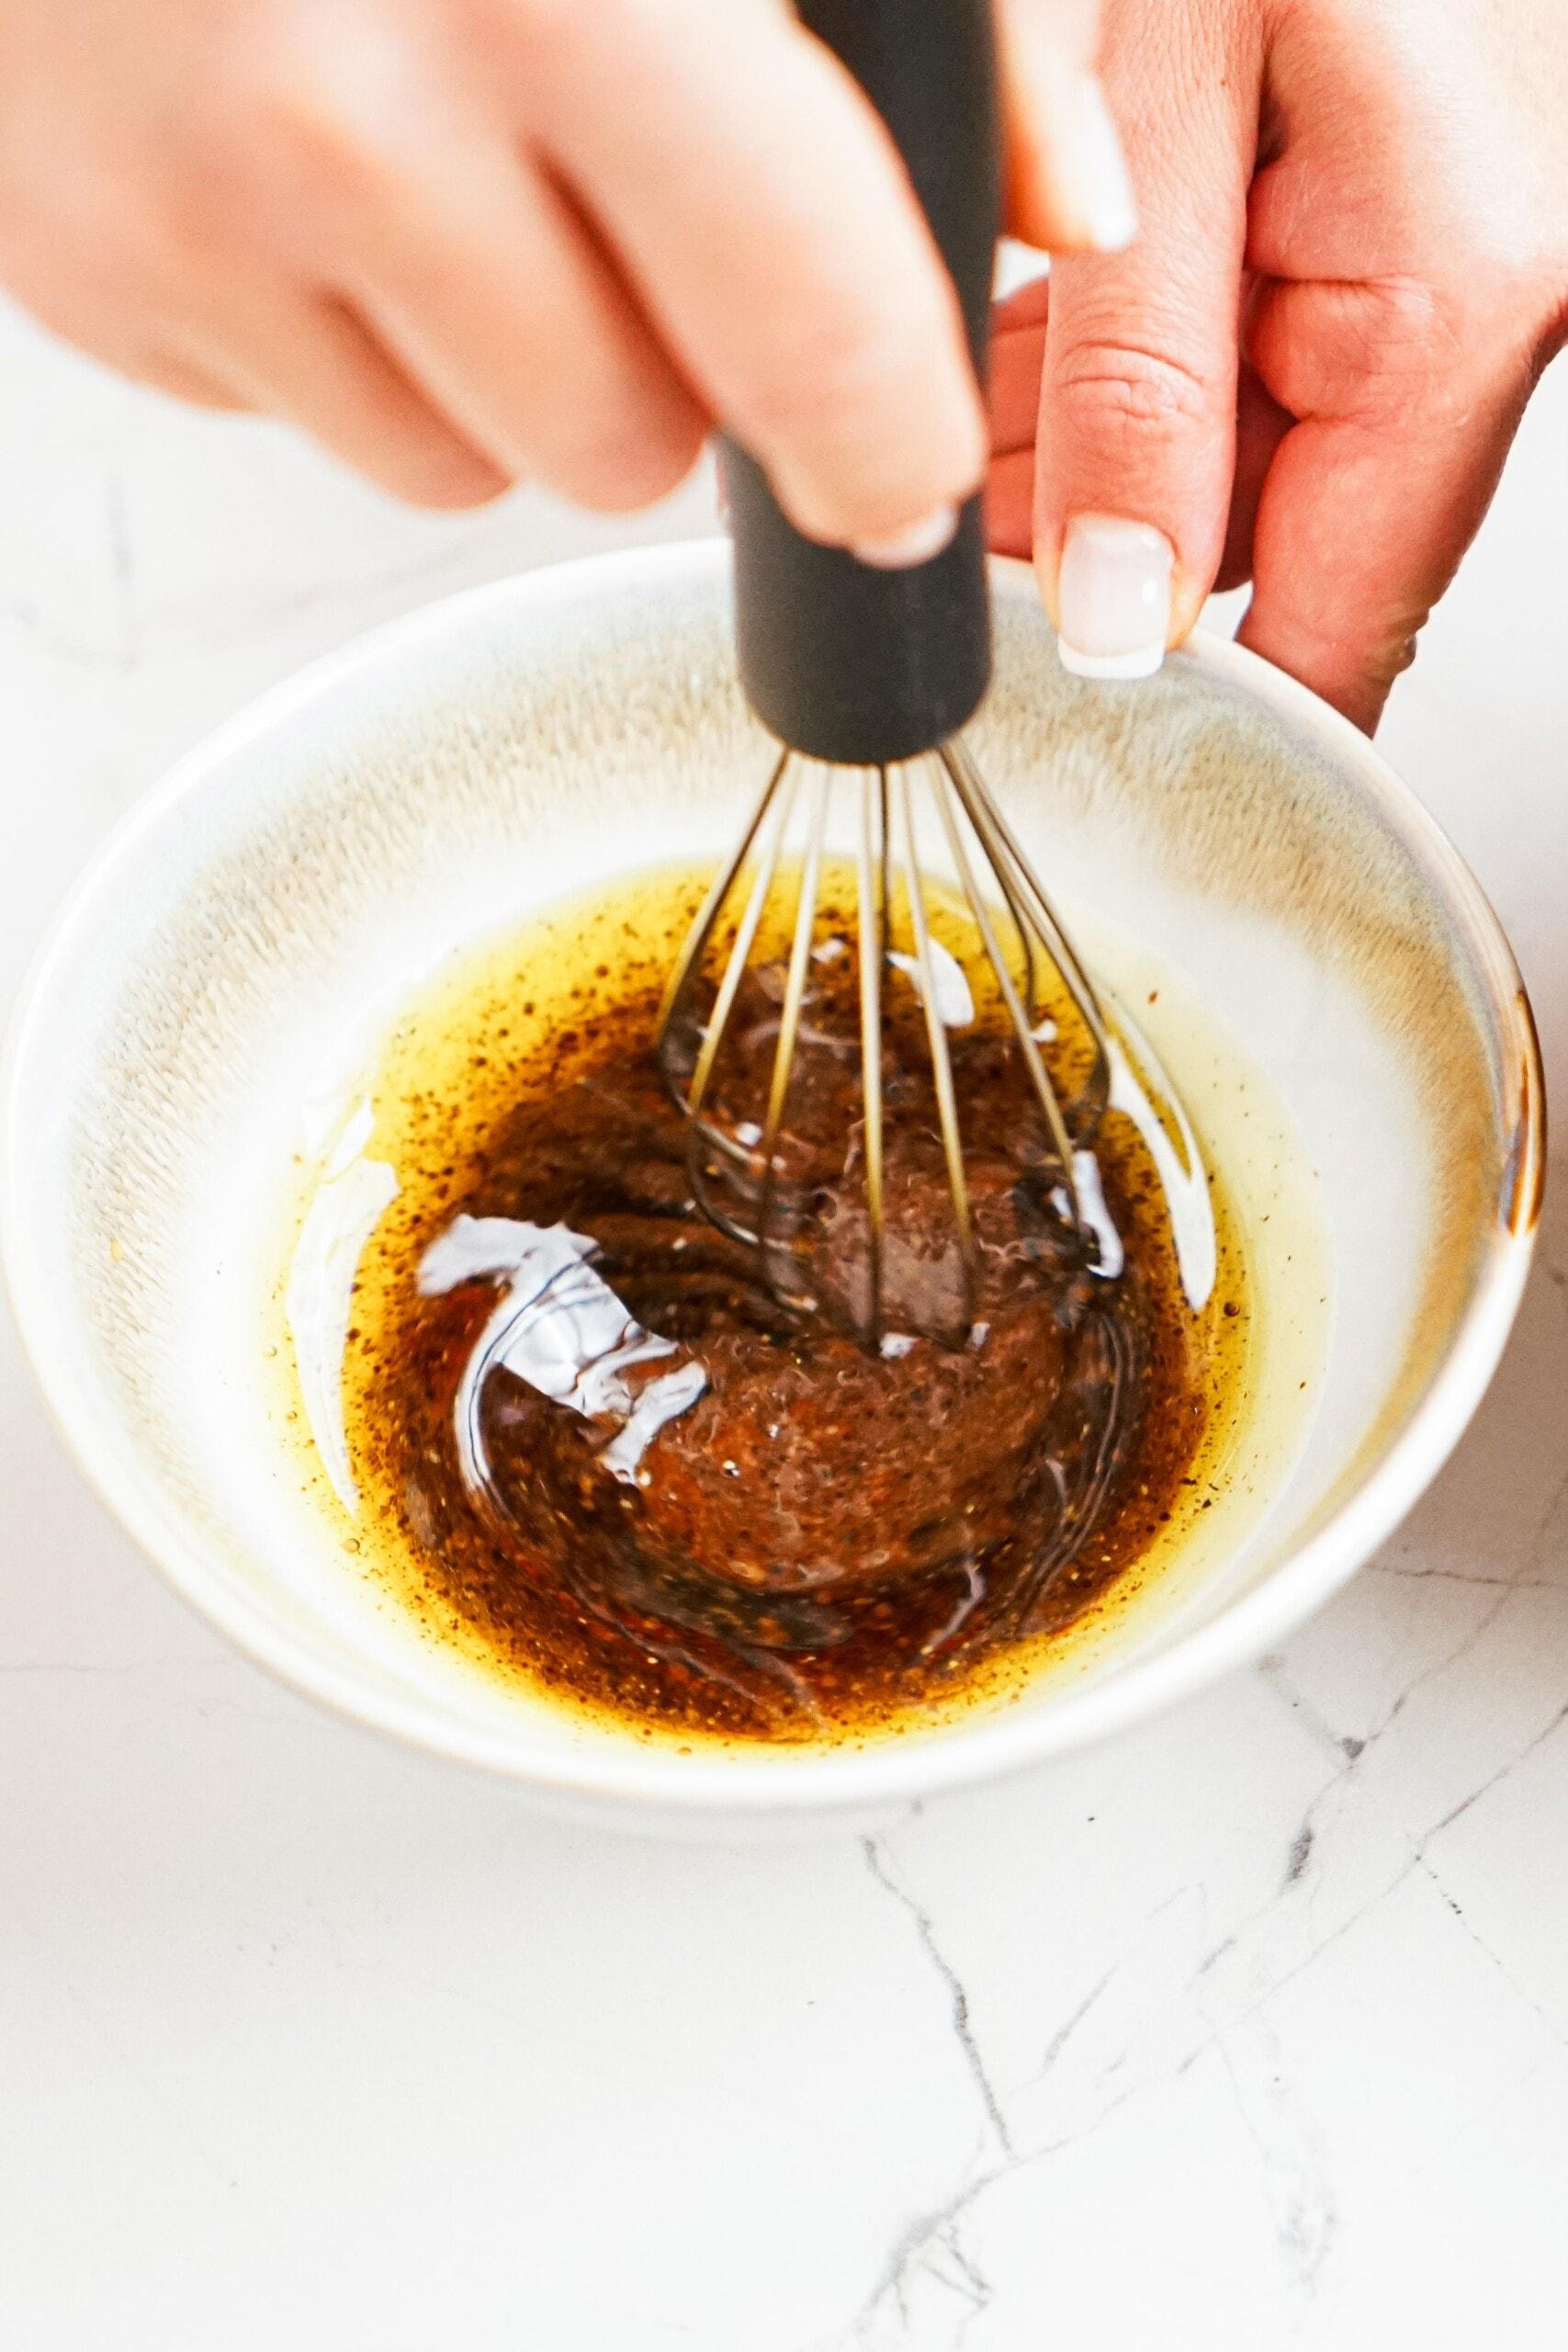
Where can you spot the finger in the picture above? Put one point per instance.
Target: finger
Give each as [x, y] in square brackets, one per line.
[1067, 186]
[759, 209]
[182, 380]
[485, 282]
[1018, 361]
[1028, 305]
[115, 318]
[1018, 347]
[1009, 504]
[1373, 497]
[1137, 419]
[305, 357]
[1260, 425]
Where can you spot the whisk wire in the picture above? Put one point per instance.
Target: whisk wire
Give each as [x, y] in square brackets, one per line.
[871, 892]
[942, 1062]
[701, 930]
[740, 950]
[789, 1018]
[1001, 848]
[738, 1171]
[1033, 1060]
[950, 756]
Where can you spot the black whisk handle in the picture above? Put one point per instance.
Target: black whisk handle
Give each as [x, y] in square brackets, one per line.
[839, 660]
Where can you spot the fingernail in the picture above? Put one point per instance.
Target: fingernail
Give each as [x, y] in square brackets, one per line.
[1071, 171]
[1114, 597]
[901, 550]
[1094, 175]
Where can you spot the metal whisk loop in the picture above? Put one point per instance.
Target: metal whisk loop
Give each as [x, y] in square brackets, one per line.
[942, 1061]
[1034, 1062]
[745, 936]
[738, 1166]
[1000, 845]
[871, 907]
[701, 930]
[789, 1022]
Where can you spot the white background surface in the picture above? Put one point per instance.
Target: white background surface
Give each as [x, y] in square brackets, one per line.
[1249, 2031]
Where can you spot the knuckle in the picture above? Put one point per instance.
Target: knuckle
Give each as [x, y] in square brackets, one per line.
[560, 44]
[1392, 327]
[1140, 389]
[311, 131]
[313, 104]
[211, 189]
[1371, 352]
[1369, 660]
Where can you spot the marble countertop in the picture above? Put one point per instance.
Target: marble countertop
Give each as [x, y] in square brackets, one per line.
[1251, 2031]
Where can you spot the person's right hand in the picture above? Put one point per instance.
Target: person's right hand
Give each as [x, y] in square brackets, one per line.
[461, 241]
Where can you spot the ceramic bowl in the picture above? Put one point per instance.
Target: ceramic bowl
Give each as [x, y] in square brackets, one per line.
[268, 903]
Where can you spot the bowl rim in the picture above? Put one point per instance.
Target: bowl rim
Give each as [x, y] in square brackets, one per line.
[774, 1782]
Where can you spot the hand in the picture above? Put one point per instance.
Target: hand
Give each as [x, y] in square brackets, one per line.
[459, 241]
[1352, 268]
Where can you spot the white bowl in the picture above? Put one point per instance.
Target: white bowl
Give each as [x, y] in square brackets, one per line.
[268, 902]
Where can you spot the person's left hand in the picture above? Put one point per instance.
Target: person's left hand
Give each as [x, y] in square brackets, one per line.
[1307, 372]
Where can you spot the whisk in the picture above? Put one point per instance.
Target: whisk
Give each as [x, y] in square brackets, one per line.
[866, 678]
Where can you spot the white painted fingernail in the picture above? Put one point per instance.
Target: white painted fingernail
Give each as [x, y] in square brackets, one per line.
[1072, 177]
[901, 550]
[1114, 597]
[1094, 172]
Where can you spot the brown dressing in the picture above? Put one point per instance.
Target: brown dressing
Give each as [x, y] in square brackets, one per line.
[832, 1541]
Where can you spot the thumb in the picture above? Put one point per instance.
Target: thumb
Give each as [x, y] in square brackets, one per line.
[1138, 398]
[1370, 500]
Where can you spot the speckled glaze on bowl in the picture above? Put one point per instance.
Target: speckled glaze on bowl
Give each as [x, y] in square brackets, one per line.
[266, 906]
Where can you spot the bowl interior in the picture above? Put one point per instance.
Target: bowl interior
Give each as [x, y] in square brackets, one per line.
[232, 958]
